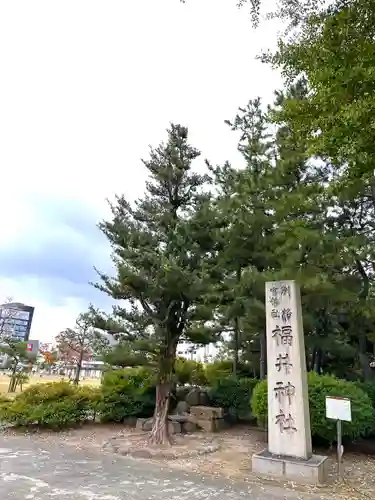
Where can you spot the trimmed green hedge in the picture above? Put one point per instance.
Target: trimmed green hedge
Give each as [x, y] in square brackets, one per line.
[369, 388]
[233, 393]
[320, 386]
[127, 393]
[123, 393]
[54, 405]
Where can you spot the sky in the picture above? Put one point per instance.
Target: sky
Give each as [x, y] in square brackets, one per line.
[86, 87]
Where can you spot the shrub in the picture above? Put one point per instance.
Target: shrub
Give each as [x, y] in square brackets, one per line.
[4, 399]
[362, 412]
[127, 393]
[223, 369]
[190, 372]
[218, 370]
[320, 386]
[259, 403]
[233, 393]
[92, 396]
[55, 405]
[369, 388]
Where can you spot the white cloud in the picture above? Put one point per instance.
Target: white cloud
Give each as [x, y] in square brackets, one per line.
[86, 87]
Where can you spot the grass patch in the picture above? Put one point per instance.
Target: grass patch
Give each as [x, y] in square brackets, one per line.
[4, 382]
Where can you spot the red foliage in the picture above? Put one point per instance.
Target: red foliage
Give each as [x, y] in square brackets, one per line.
[72, 355]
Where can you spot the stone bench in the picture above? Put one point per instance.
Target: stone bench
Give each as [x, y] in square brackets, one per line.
[208, 418]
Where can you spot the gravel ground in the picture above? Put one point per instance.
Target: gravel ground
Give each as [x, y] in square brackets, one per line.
[231, 464]
[30, 470]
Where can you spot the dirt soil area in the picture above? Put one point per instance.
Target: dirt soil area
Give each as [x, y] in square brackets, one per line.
[232, 460]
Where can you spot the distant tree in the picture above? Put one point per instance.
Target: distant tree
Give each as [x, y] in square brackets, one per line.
[16, 353]
[81, 343]
[7, 316]
[162, 268]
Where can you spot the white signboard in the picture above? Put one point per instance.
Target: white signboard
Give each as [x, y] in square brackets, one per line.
[338, 409]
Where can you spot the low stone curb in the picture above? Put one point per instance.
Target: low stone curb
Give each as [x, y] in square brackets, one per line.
[114, 445]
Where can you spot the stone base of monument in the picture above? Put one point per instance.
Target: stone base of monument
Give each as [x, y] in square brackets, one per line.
[312, 471]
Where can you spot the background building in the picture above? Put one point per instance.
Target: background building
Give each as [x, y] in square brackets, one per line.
[16, 320]
[202, 354]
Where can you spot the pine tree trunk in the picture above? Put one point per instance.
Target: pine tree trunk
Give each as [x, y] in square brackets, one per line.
[160, 431]
[363, 357]
[318, 361]
[13, 382]
[236, 331]
[313, 356]
[236, 345]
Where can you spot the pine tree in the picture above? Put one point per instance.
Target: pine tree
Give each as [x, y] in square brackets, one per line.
[246, 225]
[335, 53]
[278, 227]
[162, 267]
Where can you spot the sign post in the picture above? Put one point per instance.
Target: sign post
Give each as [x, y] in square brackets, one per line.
[339, 409]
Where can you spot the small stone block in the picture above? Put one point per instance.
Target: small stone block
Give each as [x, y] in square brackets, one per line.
[178, 418]
[182, 407]
[140, 423]
[174, 427]
[206, 412]
[221, 424]
[131, 421]
[147, 424]
[311, 471]
[197, 397]
[182, 392]
[189, 427]
[206, 425]
[211, 425]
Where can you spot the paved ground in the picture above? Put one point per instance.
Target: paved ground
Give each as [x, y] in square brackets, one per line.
[29, 471]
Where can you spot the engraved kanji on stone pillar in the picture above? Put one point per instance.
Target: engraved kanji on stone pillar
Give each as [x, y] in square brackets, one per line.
[289, 431]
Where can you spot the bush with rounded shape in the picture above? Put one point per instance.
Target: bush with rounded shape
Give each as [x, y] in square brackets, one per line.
[51, 391]
[233, 393]
[320, 386]
[92, 397]
[189, 372]
[259, 403]
[218, 370]
[369, 388]
[55, 405]
[127, 393]
[223, 369]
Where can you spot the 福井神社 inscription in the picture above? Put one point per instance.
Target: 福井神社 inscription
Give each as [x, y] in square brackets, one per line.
[288, 419]
[289, 453]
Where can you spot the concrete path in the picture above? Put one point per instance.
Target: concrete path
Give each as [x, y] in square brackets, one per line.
[31, 470]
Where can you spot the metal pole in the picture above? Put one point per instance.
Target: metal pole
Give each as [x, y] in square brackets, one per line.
[340, 450]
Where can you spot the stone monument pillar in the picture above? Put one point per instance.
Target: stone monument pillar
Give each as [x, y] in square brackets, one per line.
[289, 452]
